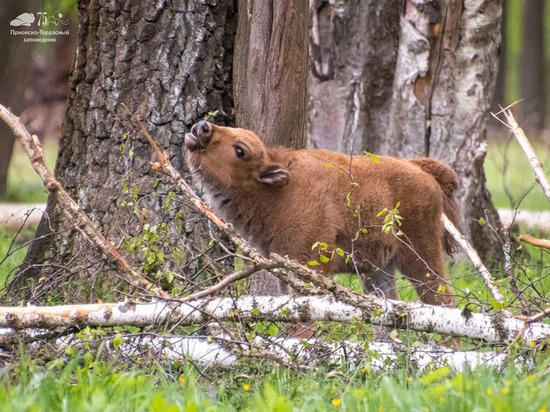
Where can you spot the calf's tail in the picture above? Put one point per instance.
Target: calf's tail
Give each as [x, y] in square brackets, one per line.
[448, 181]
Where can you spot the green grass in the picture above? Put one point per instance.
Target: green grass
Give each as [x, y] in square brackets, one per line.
[11, 254]
[83, 383]
[24, 185]
[510, 178]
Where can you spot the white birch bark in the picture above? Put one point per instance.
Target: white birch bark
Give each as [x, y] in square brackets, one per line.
[225, 353]
[495, 328]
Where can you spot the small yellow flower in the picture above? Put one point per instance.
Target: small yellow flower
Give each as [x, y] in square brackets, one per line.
[246, 386]
[336, 402]
[510, 382]
[381, 409]
[543, 409]
[531, 378]
[505, 390]
[363, 369]
[409, 379]
[181, 379]
[532, 344]
[489, 391]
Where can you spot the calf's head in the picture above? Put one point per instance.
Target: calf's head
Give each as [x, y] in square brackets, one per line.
[231, 157]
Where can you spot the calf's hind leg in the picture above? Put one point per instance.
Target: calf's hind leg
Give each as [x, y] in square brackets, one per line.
[425, 271]
[380, 282]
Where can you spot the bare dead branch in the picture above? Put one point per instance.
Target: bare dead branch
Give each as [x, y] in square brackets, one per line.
[227, 280]
[474, 258]
[518, 132]
[69, 207]
[542, 243]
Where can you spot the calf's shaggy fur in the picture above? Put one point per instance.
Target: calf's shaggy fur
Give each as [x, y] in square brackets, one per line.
[285, 200]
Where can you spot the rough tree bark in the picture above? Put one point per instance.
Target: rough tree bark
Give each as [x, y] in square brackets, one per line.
[425, 79]
[270, 70]
[270, 77]
[353, 51]
[169, 63]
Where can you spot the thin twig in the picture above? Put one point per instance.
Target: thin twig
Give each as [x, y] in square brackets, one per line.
[227, 280]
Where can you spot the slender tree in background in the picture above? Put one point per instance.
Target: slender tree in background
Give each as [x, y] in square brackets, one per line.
[532, 67]
[418, 83]
[15, 70]
[499, 97]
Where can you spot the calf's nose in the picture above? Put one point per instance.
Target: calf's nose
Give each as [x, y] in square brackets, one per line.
[201, 129]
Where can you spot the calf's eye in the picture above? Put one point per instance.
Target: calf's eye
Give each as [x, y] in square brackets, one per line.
[239, 152]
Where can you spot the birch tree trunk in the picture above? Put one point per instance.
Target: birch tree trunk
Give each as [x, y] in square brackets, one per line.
[169, 64]
[418, 83]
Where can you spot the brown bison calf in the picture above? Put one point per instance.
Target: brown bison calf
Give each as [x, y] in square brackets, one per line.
[284, 201]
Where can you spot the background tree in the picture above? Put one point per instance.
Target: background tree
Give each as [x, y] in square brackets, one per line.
[532, 68]
[353, 50]
[15, 69]
[270, 70]
[421, 84]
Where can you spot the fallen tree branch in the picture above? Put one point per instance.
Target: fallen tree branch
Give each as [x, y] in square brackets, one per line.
[69, 208]
[494, 329]
[542, 243]
[474, 258]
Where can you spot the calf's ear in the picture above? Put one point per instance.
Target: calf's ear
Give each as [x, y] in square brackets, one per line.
[274, 174]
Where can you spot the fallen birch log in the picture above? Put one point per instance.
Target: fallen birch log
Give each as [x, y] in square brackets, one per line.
[379, 356]
[495, 328]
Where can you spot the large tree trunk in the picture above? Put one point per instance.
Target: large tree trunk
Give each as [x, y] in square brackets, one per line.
[419, 83]
[532, 68]
[170, 64]
[270, 72]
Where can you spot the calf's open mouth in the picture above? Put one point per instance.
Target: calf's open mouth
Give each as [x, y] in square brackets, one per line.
[191, 142]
